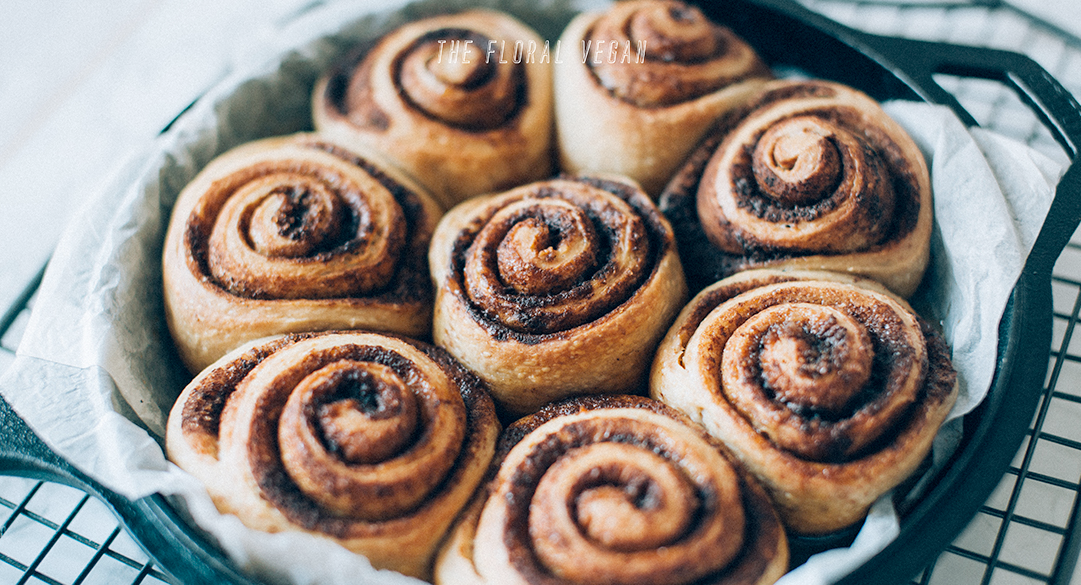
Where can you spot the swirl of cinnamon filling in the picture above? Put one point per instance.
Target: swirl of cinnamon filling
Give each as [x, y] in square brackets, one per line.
[290, 234]
[531, 280]
[616, 489]
[658, 53]
[369, 440]
[460, 101]
[812, 186]
[288, 228]
[555, 256]
[813, 173]
[820, 381]
[830, 388]
[473, 91]
[646, 81]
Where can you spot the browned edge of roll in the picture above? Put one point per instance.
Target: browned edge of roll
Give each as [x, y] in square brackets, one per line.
[897, 258]
[816, 493]
[594, 331]
[763, 554]
[351, 392]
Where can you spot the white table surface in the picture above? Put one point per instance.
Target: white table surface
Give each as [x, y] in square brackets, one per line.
[85, 83]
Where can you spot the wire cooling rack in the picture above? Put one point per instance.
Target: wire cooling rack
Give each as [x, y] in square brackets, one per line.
[1028, 531]
[55, 534]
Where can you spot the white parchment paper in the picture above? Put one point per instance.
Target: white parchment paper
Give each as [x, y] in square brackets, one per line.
[95, 375]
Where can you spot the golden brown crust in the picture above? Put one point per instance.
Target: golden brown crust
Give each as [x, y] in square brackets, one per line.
[641, 83]
[811, 175]
[292, 234]
[555, 288]
[827, 386]
[614, 489]
[370, 440]
[444, 98]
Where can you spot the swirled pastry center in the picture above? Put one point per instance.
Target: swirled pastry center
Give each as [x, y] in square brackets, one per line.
[821, 369]
[548, 253]
[803, 184]
[675, 33]
[797, 162]
[357, 426]
[624, 499]
[555, 257]
[365, 413]
[656, 54]
[466, 88]
[810, 356]
[296, 220]
[315, 227]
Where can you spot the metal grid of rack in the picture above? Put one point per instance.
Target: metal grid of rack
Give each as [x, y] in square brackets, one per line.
[1028, 531]
[55, 534]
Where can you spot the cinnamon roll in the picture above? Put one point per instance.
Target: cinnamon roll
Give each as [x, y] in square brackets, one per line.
[641, 83]
[291, 234]
[811, 174]
[373, 441]
[828, 387]
[555, 288]
[614, 489]
[462, 102]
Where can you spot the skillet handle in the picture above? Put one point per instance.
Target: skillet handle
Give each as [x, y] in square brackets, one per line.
[23, 454]
[918, 61]
[184, 558]
[915, 63]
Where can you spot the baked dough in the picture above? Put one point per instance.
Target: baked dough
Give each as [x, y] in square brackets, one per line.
[813, 175]
[445, 99]
[640, 85]
[373, 441]
[828, 387]
[291, 234]
[614, 489]
[556, 288]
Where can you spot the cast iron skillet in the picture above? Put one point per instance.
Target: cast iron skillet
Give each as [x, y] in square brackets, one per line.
[785, 34]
